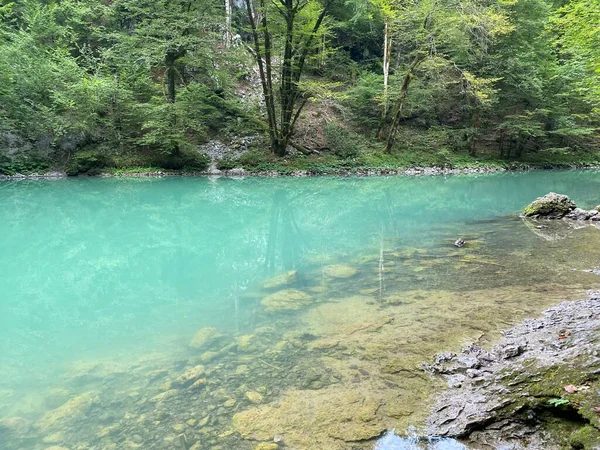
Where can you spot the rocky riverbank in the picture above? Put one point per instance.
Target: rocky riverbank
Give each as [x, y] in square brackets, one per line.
[539, 388]
[241, 172]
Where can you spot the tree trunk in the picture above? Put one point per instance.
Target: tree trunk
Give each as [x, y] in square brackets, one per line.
[387, 53]
[473, 137]
[228, 15]
[400, 105]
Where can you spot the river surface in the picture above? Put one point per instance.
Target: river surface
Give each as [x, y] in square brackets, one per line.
[192, 313]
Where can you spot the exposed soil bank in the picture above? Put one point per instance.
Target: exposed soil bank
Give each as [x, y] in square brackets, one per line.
[539, 388]
[413, 171]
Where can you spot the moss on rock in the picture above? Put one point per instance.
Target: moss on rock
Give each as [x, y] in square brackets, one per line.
[286, 300]
[551, 206]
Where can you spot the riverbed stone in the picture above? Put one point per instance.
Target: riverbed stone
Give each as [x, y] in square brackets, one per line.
[246, 343]
[339, 271]
[208, 356]
[286, 300]
[205, 337]
[72, 409]
[188, 377]
[281, 280]
[14, 425]
[267, 446]
[551, 206]
[254, 397]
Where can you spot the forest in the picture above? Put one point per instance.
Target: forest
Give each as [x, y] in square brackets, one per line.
[121, 85]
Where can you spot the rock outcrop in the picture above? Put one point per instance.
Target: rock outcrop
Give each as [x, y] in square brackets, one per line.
[539, 388]
[559, 206]
[550, 206]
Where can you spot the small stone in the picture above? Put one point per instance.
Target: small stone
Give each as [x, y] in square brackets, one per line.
[510, 351]
[198, 384]
[208, 356]
[189, 376]
[205, 337]
[325, 344]
[106, 431]
[203, 422]
[288, 299]
[339, 271]
[284, 279]
[179, 428]
[165, 395]
[17, 425]
[266, 446]
[244, 343]
[54, 438]
[229, 403]
[254, 397]
[242, 370]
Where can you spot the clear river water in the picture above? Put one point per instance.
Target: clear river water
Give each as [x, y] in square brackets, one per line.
[192, 313]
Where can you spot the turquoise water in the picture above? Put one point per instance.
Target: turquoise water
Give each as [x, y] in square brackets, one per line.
[111, 269]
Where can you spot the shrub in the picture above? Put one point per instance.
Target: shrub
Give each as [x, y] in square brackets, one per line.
[227, 164]
[90, 161]
[183, 160]
[22, 164]
[343, 143]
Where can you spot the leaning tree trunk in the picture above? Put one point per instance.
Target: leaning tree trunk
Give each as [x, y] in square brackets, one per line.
[400, 104]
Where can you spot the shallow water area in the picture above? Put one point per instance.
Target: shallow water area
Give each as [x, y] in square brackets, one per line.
[226, 313]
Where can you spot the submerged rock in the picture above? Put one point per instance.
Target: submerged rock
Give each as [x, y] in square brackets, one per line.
[550, 206]
[205, 337]
[287, 299]
[254, 397]
[284, 279]
[14, 425]
[339, 271]
[72, 409]
[188, 377]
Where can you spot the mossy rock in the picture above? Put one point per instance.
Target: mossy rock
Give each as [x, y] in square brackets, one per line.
[283, 279]
[286, 300]
[551, 206]
[205, 337]
[339, 271]
[587, 438]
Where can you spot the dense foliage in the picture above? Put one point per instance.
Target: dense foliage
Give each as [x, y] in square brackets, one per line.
[88, 85]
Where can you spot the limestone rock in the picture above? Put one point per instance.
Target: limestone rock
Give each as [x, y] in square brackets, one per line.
[15, 425]
[339, 271]
[286, 300]
[281, 280]
[205, 337]
[188, 377]
[165, 395]
[551, 206]
[208, 356]
[246, 342]
[254, 397]
[75, 407]
[266, 446]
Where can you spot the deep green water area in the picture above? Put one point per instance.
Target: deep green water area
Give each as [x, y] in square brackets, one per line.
[192, 313]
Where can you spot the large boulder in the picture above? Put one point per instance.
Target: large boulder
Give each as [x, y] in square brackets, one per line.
[550, 206]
